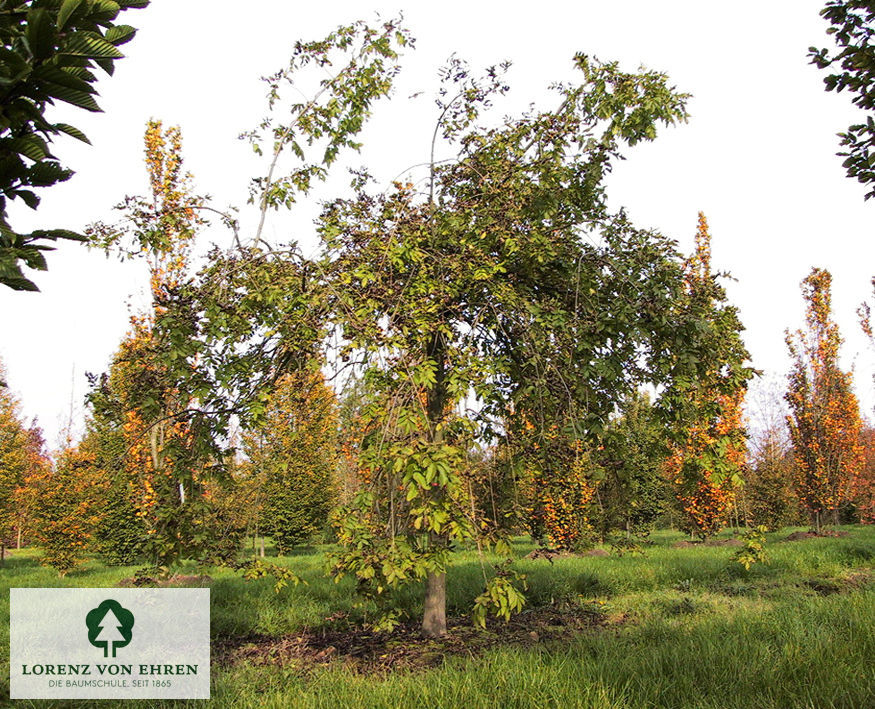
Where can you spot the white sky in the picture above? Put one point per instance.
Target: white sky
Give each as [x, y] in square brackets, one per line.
[758, 155]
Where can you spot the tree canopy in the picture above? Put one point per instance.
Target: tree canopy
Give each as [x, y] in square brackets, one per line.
[501, 303]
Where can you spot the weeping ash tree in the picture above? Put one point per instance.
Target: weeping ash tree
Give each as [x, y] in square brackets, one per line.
[505, 291]
[502, 297]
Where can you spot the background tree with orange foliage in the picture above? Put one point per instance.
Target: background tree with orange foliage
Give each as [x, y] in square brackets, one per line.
[165, 473]
[824, 418]
[557, 483]
[67, 501]
[295, 456]
[707, 463]
[863, 487]
[21, 459]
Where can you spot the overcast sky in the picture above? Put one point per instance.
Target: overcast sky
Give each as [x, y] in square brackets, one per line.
[757, 156]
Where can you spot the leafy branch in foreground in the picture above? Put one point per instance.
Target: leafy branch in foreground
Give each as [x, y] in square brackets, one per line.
[852, 67]
[49, 51]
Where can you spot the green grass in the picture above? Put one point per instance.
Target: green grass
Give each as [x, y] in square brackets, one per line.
[690, 630]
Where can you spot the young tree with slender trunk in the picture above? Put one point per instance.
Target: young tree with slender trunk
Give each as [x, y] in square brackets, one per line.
[824, 418]
[487, 282]
[165, 475]
[706, 464]
[504, 285]
[294, 457]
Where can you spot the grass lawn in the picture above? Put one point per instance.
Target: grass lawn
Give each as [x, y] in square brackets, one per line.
[674, 628]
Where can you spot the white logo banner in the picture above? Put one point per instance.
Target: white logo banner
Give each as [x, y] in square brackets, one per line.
[109, 643]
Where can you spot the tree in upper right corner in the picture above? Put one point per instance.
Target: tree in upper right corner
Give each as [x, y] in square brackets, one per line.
[852, 66]
[824, 419]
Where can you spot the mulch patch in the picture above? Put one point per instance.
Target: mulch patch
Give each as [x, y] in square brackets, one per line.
[847, 583]
[550, 554]
[686, 544]
[595, 552]
[690, 543]
[173, 580]
[858, 579]
[799, 536]
[369, 652]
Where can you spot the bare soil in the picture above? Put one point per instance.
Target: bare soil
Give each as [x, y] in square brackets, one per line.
[170, 581]
[550, 554]
[799, 536]
[690, 543]
[370, 652]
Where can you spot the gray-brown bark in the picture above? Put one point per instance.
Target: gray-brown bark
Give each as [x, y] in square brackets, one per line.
[434, 619]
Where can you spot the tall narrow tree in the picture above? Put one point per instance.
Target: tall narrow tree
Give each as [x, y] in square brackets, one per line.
[294, 455]
[141, 390]
[707, 463]
[824, 418]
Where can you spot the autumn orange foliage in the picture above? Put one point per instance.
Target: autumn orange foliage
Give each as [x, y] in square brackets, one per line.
[863, 485]
[66, 500]
[157, 439]
[824, 420]
[706, 466]
[22, 459]
[557, 485]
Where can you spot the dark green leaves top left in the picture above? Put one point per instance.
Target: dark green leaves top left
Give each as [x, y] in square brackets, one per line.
[49, 50]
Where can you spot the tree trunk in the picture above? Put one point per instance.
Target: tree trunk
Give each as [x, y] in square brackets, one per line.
[18, 539]
[261, 546]
[434, 620]
[2, 554]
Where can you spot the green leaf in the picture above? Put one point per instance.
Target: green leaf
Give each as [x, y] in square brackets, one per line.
[103, 11]
[68, 7]
[28, 197]
[90, 45]
[35, 260]
[107, 65]
[71, 96]
[56, 234]
[120, 34]
[46, 173]
[81, 72]
[31, 146]
[21, 283]
[54, 75]
[40, 33]
[73, 131]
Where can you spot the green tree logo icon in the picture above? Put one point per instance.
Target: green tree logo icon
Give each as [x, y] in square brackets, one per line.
[110, 626]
